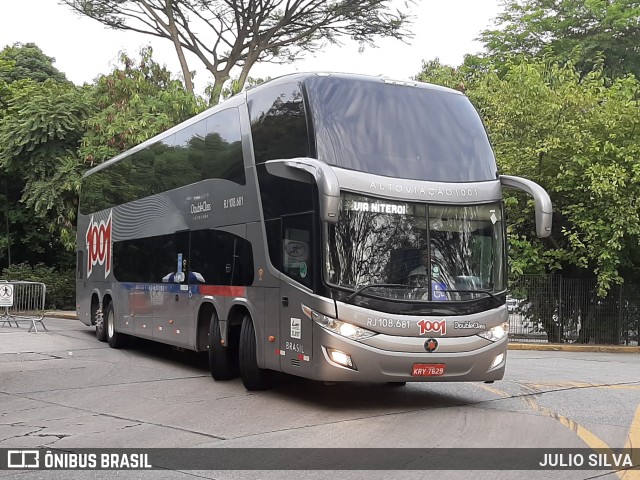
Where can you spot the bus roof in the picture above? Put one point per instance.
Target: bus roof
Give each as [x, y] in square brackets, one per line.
[302, 76]
[240, 98]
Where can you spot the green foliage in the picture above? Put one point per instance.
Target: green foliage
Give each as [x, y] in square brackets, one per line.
[577, 135]
[27, 62]
[52, 131]
[235, 87]
[435, 72]
[39, 136]
[136, 101]
[23, 71]
[585, 32]
[60, 283]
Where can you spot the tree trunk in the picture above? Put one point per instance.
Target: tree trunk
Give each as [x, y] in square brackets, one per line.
[216, 90]
[245, 71]
[173, 31]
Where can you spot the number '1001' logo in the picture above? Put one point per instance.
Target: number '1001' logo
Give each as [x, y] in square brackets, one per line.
[99, 245]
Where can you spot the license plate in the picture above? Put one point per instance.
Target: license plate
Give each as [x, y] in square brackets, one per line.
[427, 369]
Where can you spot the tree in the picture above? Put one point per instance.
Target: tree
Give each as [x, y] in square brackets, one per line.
[579, 139]
[576, 135]
[136, 101]
[224, 34]
[39, 137]
[577, 30]
[27, 61]
[25, 237]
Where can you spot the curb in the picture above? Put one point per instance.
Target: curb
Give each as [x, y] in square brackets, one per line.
[60, 314]
[559, 347]
[543, 347]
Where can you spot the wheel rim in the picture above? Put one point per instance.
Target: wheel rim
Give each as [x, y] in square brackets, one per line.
[110, 324]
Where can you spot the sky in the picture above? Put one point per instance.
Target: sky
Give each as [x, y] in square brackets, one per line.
[84, 49]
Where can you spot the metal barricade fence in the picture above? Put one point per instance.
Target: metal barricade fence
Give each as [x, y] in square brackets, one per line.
[555, 309]
[22, 302]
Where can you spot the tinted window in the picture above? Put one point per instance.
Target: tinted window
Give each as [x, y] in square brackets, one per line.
[122, 182]
[79, 264]
[290, 242]
[398, 131]
[220, 258]
[273, 228]
[214, 257]
[144, 259]
[278, 123]
[222, 148]
[297, 254]
[210, 148]
[281, 196]
[172, 167]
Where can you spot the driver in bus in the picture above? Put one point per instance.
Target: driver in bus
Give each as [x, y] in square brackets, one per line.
[419, 276]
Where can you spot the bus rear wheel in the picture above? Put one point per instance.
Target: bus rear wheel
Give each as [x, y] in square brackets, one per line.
[101, 331]
[222, 364]
[253, 377]
[115, 339]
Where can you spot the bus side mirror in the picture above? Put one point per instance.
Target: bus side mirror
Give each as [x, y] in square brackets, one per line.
[544, 208]
[324, 175]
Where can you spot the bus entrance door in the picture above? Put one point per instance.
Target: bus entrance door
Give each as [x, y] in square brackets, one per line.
[295, 331]
[295, 328]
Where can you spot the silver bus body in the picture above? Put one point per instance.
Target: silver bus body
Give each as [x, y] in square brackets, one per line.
[284, 230]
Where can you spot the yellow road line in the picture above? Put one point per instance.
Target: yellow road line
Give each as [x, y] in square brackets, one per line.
[633, 441]
[587, 436]
[500, 393]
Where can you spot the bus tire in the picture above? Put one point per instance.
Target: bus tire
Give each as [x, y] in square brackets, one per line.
[253, 377]
[101, 331]
[221, 361]
[115, 339]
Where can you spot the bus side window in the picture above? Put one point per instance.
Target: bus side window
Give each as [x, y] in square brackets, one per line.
[273, 228]
[297, 247]
[220, 258]
[80, 265]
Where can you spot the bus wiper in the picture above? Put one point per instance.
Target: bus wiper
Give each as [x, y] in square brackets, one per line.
[359, 290]
[486, 292]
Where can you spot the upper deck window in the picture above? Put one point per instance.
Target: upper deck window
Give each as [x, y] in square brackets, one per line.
[210, 148]
[399, 131]
[278, 123]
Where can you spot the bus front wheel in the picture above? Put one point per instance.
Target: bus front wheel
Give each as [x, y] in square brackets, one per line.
[221, 361]
[253, 377]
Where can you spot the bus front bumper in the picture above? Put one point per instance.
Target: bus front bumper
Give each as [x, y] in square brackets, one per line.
[455, 359]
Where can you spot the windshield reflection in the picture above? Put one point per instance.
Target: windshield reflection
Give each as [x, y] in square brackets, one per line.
[384, 243]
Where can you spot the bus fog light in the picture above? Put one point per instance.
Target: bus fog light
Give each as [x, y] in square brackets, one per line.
[496, 333]
[340, 358]
[497, 361]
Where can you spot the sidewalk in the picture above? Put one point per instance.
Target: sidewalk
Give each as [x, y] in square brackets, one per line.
[553, 347]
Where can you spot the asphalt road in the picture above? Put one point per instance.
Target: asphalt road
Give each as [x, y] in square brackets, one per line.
[63, 389]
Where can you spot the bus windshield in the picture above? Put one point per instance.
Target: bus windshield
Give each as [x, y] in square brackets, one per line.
[399, 131]
[459, 256]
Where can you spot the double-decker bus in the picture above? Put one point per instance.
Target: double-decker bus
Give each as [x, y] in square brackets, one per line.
[331, 226]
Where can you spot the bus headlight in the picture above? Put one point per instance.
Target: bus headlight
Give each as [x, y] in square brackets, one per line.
[496, 333]
[334, 325]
